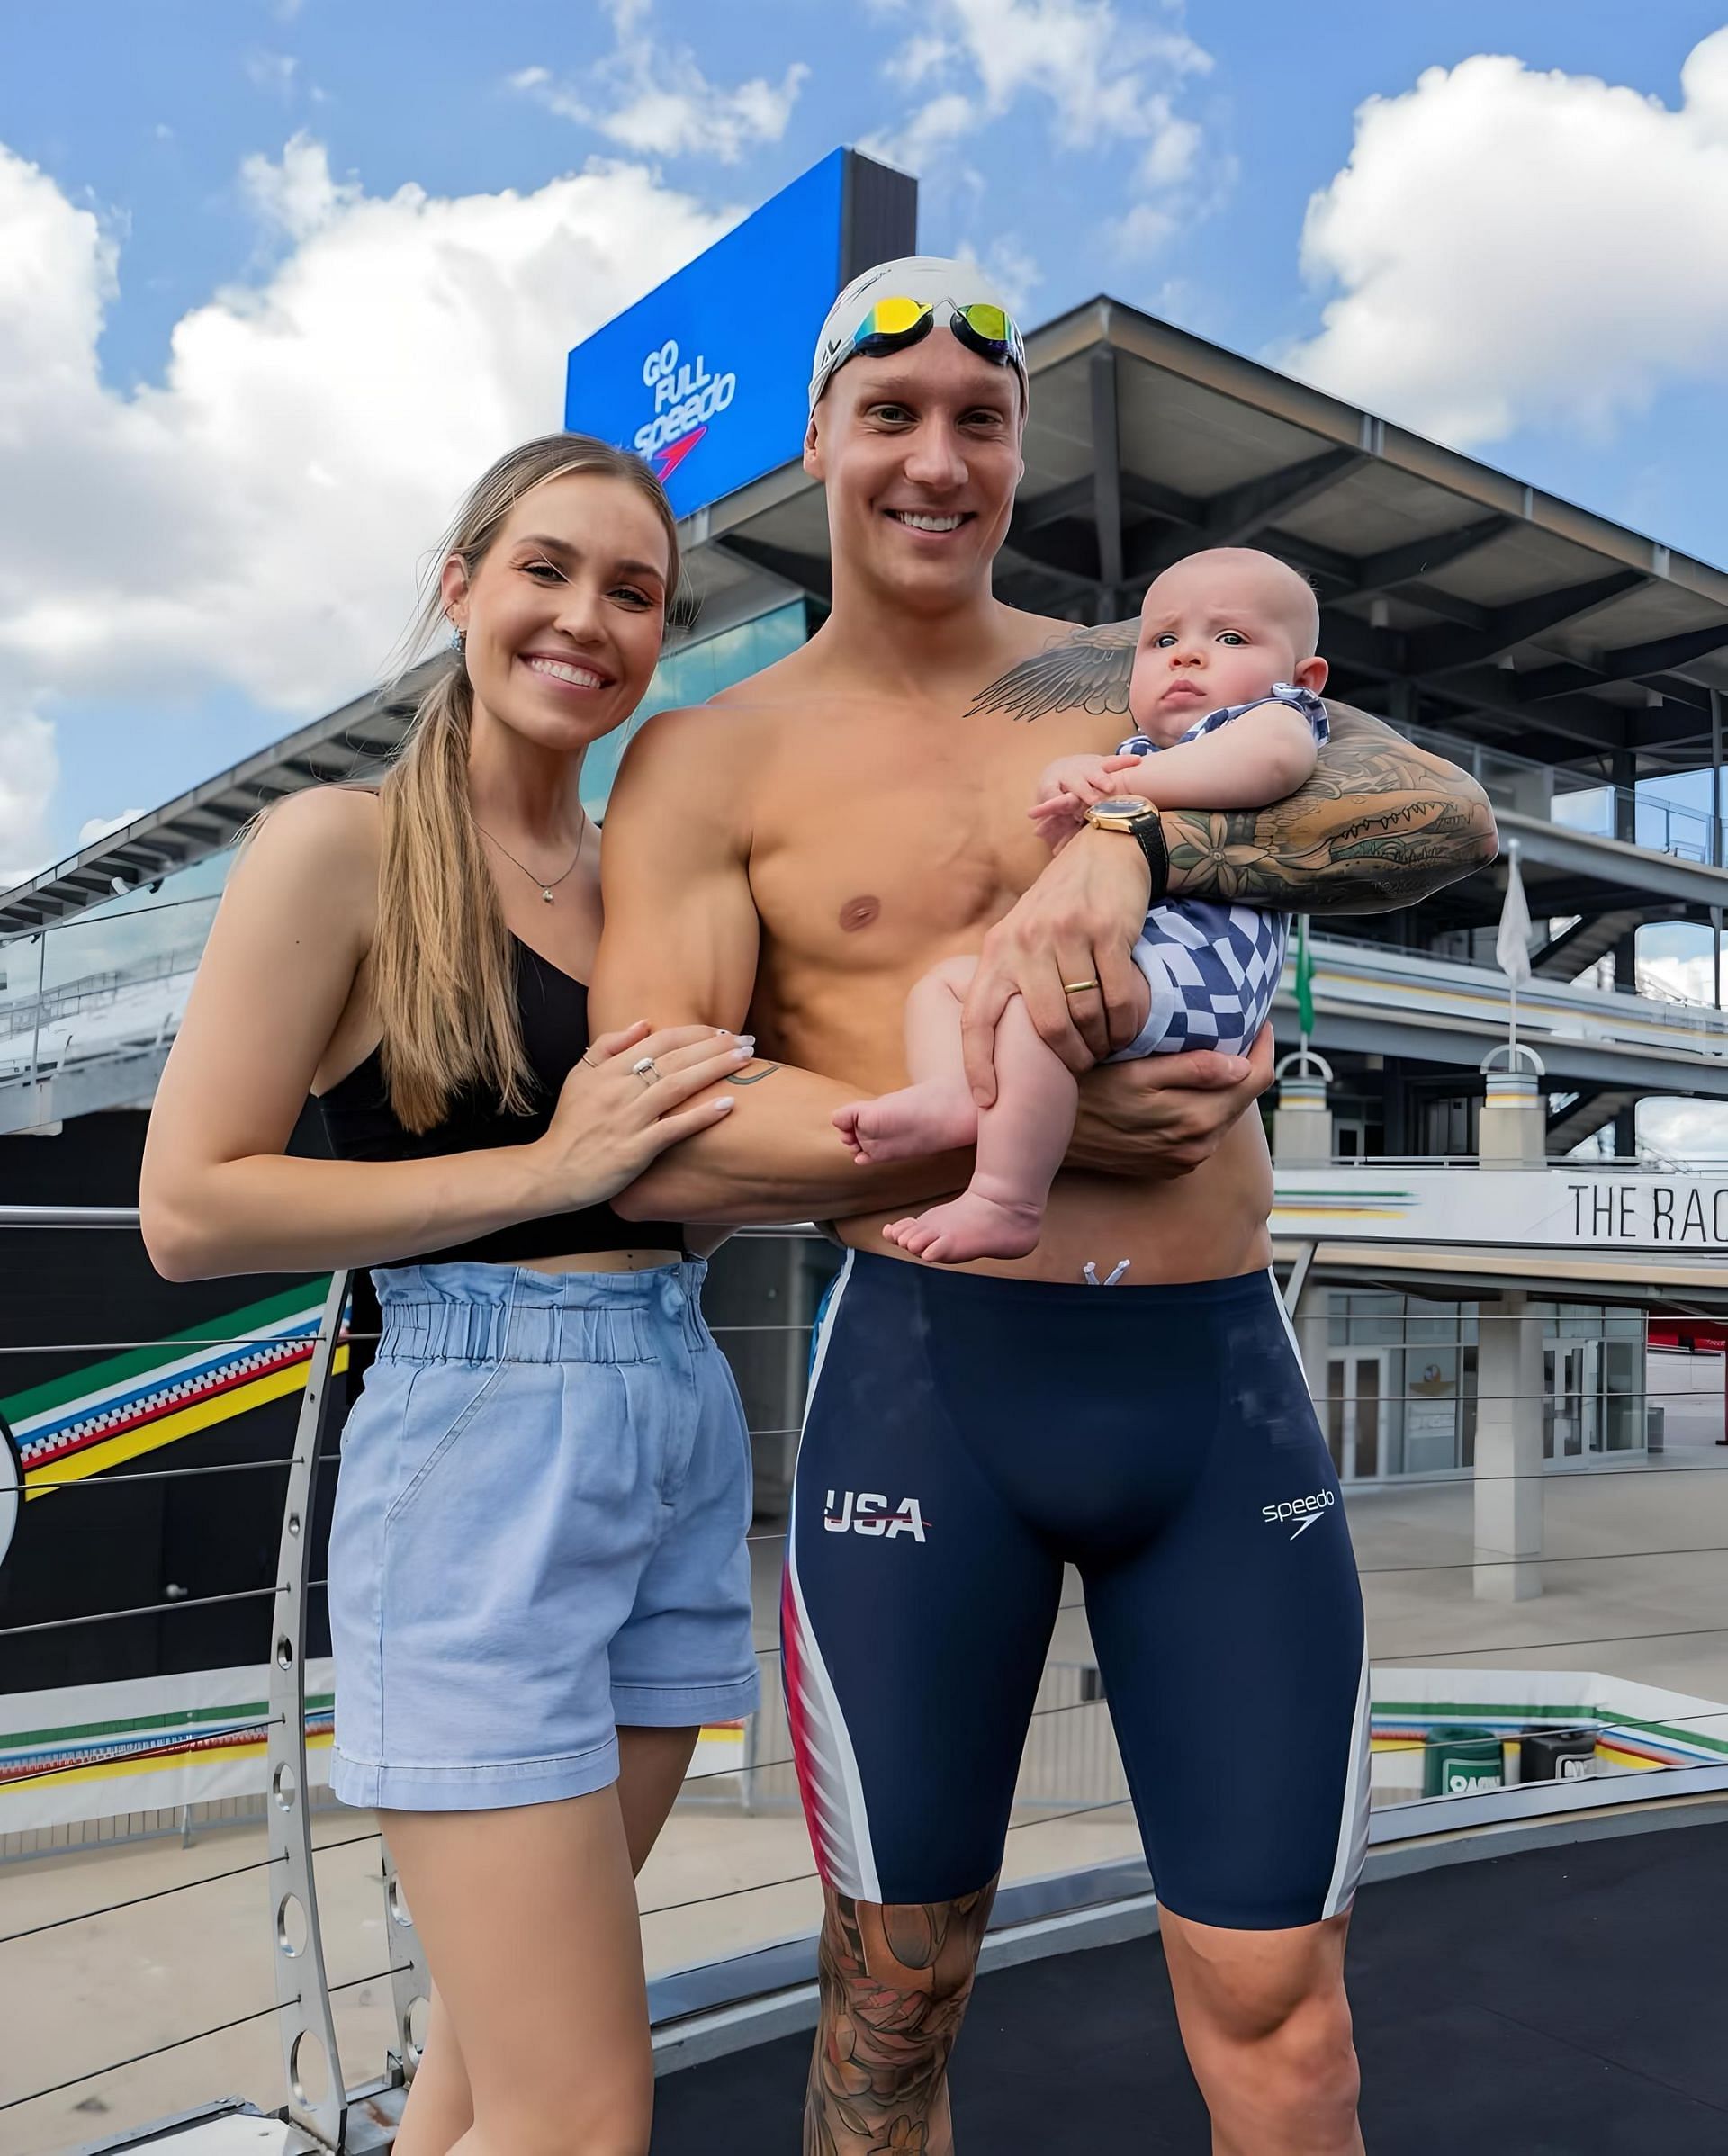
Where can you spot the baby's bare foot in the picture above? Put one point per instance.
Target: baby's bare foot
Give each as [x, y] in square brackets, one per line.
[970, 1226]
[917, 1121]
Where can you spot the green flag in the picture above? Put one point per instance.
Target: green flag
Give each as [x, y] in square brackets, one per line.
[1304, 979]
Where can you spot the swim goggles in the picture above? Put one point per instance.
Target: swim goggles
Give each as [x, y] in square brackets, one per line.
[894, 325]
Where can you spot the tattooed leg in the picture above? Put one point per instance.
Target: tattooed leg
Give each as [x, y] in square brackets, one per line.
[894, 1985]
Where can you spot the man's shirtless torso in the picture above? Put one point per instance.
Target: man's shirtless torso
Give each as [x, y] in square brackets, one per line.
[883, 835]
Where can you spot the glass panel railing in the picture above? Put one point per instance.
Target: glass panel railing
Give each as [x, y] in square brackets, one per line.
[1640, 816]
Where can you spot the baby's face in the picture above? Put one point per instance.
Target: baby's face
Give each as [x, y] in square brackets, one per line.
[1212, 632]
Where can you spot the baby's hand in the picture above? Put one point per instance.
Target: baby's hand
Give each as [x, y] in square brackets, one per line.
[1070, 785]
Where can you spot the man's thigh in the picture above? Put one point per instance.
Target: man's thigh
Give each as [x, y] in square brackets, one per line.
[916, 1614]
[1232, 1650]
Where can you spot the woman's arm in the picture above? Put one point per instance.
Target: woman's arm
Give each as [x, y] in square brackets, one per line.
[218, 1196]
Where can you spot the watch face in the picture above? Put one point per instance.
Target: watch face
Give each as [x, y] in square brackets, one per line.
[1122, 808]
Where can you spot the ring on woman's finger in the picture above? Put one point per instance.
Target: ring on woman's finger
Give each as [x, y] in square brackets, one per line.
[646, 1068]
[587, 1057]
[1078, 987]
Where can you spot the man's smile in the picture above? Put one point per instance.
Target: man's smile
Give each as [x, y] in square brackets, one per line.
[931, 520]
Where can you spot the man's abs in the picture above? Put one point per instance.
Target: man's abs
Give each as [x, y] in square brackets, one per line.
[1210, 1225]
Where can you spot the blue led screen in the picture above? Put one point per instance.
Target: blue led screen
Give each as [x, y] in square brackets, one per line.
[706, 376]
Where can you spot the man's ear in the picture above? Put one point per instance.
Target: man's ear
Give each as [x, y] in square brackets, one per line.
[1311, 675]
[813, 449]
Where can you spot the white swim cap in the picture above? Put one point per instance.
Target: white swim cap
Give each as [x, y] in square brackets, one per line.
[926, 281]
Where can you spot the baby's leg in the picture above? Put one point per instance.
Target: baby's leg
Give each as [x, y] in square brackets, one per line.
[1021, 1139]
[935, 1113]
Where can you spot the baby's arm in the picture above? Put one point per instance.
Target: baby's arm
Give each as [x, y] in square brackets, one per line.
[1067, 788]
[1255, 760]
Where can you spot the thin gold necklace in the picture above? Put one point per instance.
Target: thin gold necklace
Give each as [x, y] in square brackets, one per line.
[547, 889]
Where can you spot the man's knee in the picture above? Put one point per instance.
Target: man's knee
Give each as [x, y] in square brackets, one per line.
[903, 1968]
[1283, 2055]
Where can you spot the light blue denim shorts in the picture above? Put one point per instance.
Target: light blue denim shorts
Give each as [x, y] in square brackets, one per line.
[539, 1535]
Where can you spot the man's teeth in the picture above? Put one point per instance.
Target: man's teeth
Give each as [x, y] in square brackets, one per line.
[579, 676]
[919, 522]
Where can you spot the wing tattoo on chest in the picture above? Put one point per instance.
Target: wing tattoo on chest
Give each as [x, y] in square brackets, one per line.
[1088, 669]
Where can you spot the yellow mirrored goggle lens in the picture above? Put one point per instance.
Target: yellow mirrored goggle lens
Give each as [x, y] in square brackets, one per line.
[894, 318]
[989, 321]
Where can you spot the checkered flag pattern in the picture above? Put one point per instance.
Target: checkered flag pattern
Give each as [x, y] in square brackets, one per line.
[1212, 970]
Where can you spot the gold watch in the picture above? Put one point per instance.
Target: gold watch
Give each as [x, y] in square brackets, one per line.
[1136, 817]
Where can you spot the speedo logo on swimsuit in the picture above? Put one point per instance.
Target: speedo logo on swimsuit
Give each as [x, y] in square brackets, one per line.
[868, 1512]
[1303, 1512]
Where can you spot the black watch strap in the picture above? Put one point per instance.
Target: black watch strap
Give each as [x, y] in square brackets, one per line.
[1148, 836]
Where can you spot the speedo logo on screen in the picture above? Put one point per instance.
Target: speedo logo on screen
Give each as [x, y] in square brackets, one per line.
[1299, 1512]
[686, 400]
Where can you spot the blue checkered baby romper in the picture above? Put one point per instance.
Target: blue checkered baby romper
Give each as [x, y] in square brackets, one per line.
[1212, 970]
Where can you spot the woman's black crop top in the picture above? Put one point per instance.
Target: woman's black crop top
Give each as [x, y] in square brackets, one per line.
[361, 1126]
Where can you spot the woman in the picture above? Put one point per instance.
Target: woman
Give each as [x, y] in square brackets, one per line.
[539, 1588]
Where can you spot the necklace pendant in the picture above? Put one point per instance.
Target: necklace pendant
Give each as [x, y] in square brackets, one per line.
[545, 893]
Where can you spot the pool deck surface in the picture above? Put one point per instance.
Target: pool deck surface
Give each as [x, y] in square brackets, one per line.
[1563, 2002]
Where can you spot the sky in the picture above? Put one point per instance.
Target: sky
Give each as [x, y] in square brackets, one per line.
[279, 277]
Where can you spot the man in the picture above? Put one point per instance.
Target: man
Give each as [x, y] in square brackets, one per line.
[796, 855]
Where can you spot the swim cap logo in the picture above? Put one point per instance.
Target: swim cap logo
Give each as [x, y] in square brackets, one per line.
[687, 400]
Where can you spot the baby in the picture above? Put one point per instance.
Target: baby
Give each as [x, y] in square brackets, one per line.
[1225, 693]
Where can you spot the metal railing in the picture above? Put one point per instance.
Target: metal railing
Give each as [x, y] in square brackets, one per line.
[1072, 1771]
[1597, 807]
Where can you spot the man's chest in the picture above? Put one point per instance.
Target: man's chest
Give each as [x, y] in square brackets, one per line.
[876, 847]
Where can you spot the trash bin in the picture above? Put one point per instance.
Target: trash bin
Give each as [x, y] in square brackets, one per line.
[1556, 1755]
[1461, 1760]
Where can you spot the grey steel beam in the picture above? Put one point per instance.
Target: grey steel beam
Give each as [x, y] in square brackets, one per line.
[1632, 663]
[1416, 558]
[1444, 650]
[1612, 861]
[1248, 512]
[1463, 1042]
[808, 573]
[1106, 467]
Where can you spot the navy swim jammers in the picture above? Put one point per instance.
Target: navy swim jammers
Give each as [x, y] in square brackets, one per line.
[966, 1436]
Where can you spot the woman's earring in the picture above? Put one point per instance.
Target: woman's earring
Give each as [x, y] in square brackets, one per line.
[459, 641]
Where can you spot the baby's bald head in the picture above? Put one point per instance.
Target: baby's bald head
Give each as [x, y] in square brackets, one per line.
[1242, 576]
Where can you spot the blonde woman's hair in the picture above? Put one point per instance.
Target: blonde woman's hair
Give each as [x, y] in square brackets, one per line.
[442, 971]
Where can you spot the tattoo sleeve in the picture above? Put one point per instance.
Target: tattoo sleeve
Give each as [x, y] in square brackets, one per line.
[894, 1985]
[1381, 824]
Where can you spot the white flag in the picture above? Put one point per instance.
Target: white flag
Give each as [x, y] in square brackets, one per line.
[1512, 945]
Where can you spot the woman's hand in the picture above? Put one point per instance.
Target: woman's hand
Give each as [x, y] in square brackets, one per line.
[1077, 922]
[1161, 1116]
[612, 1120]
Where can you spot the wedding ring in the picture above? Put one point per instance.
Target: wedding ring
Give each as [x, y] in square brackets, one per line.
[646, 1069]
[1078, 987]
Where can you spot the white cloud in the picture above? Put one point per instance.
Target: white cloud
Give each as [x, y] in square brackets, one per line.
[257, 520]
[1107, 79]
[1014, 270]
[1097, 71]
[298, 195]
[931, 128]
[652, 97]
[273, 72]
[918, 57]
[1513, 246]
[28, 768]
[98, 827]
